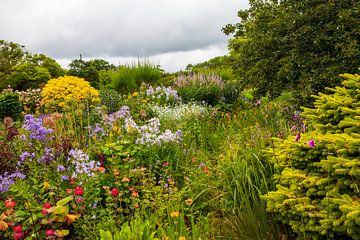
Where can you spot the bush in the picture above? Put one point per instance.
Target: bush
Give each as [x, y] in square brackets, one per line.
[318, 181]
[57, 92]
[10, 105]
[111, 99]
[200, 88]
[129, 78]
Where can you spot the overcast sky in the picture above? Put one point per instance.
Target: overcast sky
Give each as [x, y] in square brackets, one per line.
[172, 33]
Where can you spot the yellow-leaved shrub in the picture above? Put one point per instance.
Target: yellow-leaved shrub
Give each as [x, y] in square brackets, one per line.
[59, 91]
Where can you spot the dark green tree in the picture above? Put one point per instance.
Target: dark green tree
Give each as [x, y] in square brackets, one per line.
[295, 45]
[89, 70]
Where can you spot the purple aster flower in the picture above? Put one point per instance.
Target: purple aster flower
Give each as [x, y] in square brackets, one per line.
[297, 138]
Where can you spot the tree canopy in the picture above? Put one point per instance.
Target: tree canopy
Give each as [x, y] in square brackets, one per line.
[295, 45]
[21, 70]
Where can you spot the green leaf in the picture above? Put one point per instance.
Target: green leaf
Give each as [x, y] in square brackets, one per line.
[64, 201]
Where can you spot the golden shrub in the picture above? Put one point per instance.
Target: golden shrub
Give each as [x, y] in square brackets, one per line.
[57, 92]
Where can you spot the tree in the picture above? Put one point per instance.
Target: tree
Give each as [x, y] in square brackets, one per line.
[295, 45]
[89, 70]
[22, 70]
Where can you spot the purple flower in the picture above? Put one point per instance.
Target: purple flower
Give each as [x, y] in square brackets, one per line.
[61, 168]
[311, 143]
[64, 178]
[297, 138]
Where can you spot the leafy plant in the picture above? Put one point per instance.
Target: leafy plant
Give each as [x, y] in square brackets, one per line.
[318, 171]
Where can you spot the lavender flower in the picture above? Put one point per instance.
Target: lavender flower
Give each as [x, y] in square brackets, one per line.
[8, 179]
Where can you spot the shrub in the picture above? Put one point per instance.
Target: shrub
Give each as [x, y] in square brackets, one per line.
[200, 88]
[10, 105]
[129, 78]
[318, 181]
[111, 99]
[58, 91]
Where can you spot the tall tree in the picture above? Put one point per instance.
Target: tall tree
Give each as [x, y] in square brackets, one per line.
[295, 45]
[89, 70]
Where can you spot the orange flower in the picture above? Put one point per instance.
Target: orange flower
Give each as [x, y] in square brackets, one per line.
[134, 194]
[125, 179]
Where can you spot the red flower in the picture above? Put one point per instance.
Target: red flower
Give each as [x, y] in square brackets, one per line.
[9, 203]
[136, 205]
[17, 228]
[68, 190]
[114, 192]
[18, 235]
[131, 189]
[80, 199]
[165, 164]
[79, 191]
[47, 205]
[206, 170]
[49, 232]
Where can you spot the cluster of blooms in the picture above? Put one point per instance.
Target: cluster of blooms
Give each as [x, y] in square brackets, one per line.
[66, 88]
[180, 112]
[163, 92]
[30, 98]
[82, 163]
[35, 128]
[198, 79]
[151, 134]
[111, 119]
[7, 179]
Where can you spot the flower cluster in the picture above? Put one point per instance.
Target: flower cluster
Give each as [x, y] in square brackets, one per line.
[151, 134]
[168, 93]
[30, 99]
[59, 91]
[198, 79]
[180, 112]
[7, 179]
[82, 163]
[36, 129]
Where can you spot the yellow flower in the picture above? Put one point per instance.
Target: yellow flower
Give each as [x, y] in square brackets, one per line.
[46, 185]
[182, 238]
[188, 201]
[175, 214]
[135, 94]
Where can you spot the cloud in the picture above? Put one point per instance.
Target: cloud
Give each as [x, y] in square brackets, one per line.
[63, 29]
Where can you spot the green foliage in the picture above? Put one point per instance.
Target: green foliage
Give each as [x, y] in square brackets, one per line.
[89, 70]
[111, 99]
[10, 105]
[200, 88]
[21, 70]
[129, 78]
[297, 45]
[318, 185]
[27, 75]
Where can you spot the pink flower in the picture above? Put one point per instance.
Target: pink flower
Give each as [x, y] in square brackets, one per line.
[79, 191]
[49, 232]
[44, 212]
[47, 205]
[311, 143]
[18, 235]
[297, 138]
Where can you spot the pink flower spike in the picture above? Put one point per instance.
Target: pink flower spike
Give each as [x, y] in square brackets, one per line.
[297, 137]
[311, 143]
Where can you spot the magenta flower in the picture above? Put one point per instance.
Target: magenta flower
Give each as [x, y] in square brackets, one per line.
[311, 143]
[297, 137]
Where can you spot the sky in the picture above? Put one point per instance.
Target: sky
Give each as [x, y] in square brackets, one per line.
[171, 33]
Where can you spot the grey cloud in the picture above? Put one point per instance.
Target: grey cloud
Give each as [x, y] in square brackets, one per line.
[116, 28]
